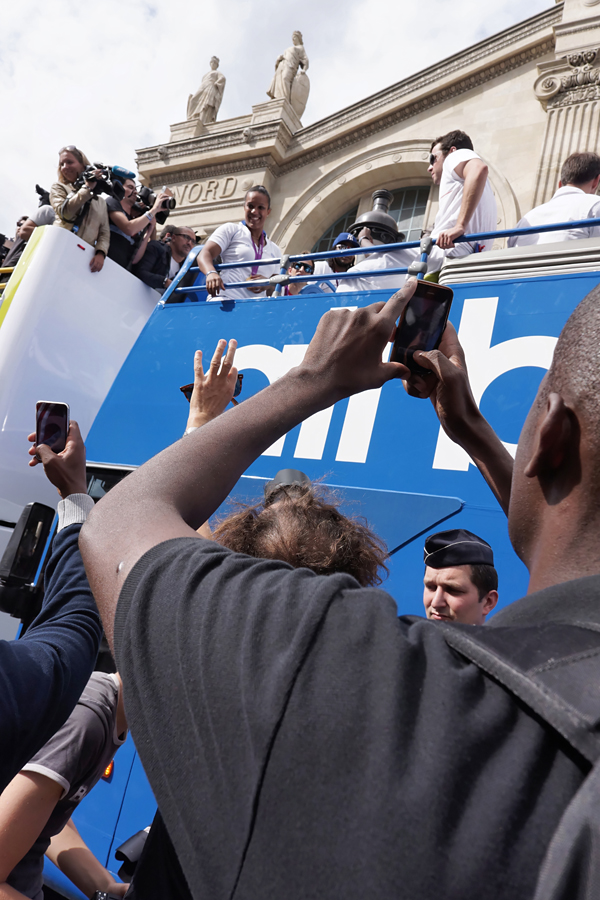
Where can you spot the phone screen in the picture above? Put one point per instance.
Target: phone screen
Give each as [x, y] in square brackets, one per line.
[422, 324]
[51, 424]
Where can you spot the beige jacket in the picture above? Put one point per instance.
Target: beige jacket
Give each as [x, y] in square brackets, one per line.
[67, 204]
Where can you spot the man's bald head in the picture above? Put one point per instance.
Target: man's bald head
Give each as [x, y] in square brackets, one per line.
[555, 496]
[575, 368]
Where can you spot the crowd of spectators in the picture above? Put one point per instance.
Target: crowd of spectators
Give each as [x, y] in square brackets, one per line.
[124, 226]
[317, 745]
[308, 726]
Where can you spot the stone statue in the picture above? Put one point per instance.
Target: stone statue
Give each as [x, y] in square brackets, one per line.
[205, 103]
[283, 86]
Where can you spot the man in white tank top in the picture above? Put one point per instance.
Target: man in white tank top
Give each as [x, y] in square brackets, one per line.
[467, 206]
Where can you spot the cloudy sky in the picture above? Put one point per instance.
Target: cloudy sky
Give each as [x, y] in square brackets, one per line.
[111, 75]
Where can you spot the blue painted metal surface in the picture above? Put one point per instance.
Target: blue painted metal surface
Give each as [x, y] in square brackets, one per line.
[381, 451]
[397, 452]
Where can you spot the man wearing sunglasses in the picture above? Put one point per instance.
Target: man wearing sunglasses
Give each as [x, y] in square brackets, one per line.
[466, 206]
[467, 203]
[161, 262]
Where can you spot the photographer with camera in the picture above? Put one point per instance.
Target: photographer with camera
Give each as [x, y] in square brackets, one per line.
[77, 204]
[128, 221]
[161, 262]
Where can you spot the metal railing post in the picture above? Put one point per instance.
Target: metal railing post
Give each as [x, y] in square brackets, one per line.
[285, 262]
[420, 268]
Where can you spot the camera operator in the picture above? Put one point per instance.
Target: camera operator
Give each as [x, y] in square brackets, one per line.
[124, 249]
[161, 262]
[79, 208]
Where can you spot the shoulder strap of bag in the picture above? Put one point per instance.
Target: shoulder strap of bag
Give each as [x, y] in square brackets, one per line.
[553, 668]
[78, 220]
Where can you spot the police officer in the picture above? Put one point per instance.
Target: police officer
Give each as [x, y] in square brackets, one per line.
[460, 583]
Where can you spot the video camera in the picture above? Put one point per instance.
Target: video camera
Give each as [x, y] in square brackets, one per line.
[110, 182]
[146, 198]
[20, 591]
[44, 196]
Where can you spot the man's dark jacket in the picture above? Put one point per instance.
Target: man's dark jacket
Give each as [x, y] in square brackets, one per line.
[154, 265]
[43, 674]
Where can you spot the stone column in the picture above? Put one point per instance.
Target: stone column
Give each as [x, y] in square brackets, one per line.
[569, 89]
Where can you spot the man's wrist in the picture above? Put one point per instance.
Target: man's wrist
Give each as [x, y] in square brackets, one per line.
[71, 488]
[471, 431]
[311, 387]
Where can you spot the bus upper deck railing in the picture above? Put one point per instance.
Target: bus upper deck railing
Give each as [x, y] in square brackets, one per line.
[286, 260]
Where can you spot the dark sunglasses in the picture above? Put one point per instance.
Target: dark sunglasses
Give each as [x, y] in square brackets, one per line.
[432, 159]
[69, 147]
[187, 389]
[308, 268]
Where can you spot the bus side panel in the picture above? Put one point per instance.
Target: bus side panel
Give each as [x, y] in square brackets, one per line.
[383, 440]
[65, 335]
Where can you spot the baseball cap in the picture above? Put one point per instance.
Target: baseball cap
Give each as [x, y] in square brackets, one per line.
[346, 236]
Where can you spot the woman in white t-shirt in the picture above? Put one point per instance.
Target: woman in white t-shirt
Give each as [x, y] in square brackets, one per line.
[241, 241]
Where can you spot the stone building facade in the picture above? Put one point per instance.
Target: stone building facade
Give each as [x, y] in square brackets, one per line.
[528, 96]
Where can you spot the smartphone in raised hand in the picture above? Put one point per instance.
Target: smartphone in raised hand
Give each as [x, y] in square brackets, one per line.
[51, 424]
[422, 324]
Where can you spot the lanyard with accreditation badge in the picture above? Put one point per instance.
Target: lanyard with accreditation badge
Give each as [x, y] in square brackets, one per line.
[258, 250]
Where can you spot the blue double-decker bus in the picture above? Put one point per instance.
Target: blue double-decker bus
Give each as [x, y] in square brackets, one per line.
[119, 357]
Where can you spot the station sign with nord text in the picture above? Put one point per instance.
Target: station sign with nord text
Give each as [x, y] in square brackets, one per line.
[210, 191]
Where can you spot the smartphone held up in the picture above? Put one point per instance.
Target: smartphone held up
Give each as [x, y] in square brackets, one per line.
[51, 424]
[422, 324]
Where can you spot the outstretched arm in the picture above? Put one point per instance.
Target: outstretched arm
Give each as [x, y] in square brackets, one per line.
[55, 656]
[450, 393]
[174, 493]
[205, 260]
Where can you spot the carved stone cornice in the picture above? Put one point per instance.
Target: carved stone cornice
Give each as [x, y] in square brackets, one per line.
[570, 79]
[209, 143]
[461, 86]
[201, 173]
[465, 59]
